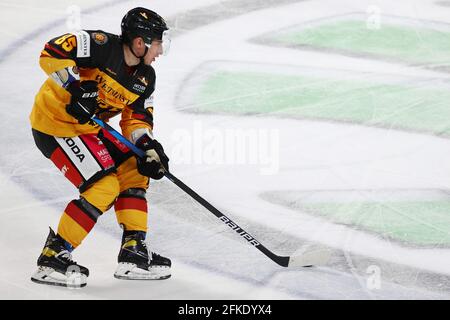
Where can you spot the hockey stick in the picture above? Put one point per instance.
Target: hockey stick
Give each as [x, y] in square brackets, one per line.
[303, 260]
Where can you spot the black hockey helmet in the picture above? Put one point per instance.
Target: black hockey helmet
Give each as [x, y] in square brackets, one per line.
[145, 23]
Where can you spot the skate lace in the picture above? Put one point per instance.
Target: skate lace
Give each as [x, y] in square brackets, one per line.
[149, 253]
[66, 255]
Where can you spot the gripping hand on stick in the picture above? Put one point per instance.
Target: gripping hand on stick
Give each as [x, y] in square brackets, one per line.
[83, 103]
[155, 162]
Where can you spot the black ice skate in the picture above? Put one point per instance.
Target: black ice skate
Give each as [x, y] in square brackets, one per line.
[137, 263]
[56, 267]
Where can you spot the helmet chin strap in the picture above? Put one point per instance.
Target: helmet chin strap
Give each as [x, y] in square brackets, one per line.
[134, 54]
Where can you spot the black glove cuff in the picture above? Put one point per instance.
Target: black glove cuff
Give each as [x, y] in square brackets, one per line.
[145, 143]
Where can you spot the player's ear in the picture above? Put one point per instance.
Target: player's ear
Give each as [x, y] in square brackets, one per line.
[139, 42]
[135, 43]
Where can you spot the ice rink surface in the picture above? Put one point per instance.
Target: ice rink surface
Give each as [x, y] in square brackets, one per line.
[287, 199]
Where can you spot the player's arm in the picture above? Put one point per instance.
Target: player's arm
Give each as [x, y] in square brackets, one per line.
[137, 118]
[60, 59]
[137, 123]
[61, 56]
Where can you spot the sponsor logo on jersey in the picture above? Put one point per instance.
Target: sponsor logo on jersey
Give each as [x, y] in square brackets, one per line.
[107, 89]
[139, 87]
[83, 44]
[90, 95]
[75, 149]
[80, 156]
[100, 38]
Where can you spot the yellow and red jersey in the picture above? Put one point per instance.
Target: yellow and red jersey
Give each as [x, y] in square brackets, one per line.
[99, 56]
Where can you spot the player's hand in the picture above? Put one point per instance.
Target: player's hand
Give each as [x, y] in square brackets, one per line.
[155, 162]
[83, 103]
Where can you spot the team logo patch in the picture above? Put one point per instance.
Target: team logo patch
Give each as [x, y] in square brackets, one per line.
[100, 38]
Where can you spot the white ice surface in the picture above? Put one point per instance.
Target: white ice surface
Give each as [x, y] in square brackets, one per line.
[21, 238]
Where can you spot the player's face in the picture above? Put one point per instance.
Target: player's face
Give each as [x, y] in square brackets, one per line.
[154, 51]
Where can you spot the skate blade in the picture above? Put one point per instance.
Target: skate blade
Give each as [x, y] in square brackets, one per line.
[129, 271]
[48, 276]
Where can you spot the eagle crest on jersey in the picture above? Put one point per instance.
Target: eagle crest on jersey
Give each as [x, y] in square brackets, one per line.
[99, 37]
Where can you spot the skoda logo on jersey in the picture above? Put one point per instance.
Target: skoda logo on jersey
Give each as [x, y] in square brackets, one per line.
[75, 149]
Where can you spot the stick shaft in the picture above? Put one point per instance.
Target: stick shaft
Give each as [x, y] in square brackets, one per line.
[282, 261]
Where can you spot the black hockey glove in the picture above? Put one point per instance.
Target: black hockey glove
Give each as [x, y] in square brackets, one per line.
[83, 103]
[155, 160]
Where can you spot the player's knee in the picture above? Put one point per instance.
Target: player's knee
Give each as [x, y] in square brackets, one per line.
[131, 209]
[103, 193]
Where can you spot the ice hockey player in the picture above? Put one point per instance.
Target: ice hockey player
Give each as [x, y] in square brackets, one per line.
[98, 73]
